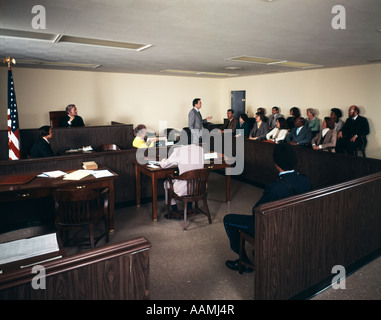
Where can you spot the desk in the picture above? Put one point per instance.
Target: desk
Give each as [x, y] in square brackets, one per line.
[44, 187]
[160, 173]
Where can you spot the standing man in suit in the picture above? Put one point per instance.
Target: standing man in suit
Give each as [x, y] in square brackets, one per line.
[195, 121]
[289, 183]
[300, 134]
[231, 124]
[41, 147]
[273, 117]
[354, 132]
[72, 119]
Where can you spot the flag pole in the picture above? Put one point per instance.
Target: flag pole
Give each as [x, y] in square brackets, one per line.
[13, 122]
[9, 60]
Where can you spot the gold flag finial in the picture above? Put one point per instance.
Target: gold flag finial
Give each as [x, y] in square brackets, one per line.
[9, 60]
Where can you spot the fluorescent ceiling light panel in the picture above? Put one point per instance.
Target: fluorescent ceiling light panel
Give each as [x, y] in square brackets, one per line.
[103, 43]
[254, 59]
[28, 35]
[58, 64]
[199, 73]
[269, 62]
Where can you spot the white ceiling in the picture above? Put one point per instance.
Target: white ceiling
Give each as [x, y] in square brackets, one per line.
[198, 35]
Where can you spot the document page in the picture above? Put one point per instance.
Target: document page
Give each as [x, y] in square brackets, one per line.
[78, 175]
[27, 248]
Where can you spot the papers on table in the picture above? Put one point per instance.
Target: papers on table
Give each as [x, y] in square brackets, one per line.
[153, 164]
[78, 175]
[102, 174]
[210, 155]
[52, 174]
[28, 248]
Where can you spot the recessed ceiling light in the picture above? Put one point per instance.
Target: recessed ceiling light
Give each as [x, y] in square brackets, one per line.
[58, 64]
[103, 43]
[60, 38]
[233, 68]
[199, 73]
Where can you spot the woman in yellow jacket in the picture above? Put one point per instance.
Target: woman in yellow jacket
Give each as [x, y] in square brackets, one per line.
[139, 141]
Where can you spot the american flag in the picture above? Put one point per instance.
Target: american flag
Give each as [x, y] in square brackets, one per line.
[13, 121]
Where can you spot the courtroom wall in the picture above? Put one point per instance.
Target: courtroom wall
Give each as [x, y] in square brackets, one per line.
[130, 98]
[320, 89]
[103, 97]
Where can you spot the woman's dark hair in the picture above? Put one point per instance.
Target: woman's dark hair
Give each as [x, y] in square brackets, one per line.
[329, 122]
[337, 112]
[244, 117]
[138, 128]
[282, 123]
[295, 112]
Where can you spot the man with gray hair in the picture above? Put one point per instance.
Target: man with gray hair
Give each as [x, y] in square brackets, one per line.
[72, 119]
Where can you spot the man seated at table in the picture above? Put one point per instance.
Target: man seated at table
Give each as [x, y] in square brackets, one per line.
[41, 147]
[72, 119]
[187, 158]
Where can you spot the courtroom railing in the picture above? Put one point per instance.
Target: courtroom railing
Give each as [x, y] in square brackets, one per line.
[115, 272]
[298, 240]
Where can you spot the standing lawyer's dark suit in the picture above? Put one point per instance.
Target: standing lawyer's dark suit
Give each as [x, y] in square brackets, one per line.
[195, 123]
[41, 148]
[286, 185]
[77, 122]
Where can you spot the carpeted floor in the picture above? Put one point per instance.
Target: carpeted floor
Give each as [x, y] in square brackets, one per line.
[190, 265]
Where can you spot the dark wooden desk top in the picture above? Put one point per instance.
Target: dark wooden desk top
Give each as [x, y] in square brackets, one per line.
[46, 183]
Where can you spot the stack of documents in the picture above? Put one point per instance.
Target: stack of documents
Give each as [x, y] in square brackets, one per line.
[52, 174]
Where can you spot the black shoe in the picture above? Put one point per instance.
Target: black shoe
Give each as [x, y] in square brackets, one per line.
[234, 265]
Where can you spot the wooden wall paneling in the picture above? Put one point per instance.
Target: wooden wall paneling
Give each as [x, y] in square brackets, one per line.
[299, 239]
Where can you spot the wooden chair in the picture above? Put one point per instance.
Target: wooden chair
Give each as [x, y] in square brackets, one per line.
[243, 237]
[197, 181]
[108, 147]
[80, 209]
[54, 118]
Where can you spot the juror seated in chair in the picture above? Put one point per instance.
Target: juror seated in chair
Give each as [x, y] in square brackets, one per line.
[187, 158]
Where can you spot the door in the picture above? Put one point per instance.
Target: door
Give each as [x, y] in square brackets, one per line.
[238, 102]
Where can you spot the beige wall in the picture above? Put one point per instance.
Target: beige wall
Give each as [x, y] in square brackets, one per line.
[103, 97]
[319, 89]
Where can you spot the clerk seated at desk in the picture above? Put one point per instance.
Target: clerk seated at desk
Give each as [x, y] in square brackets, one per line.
[140, 138]
[72, 119]
[41, 147]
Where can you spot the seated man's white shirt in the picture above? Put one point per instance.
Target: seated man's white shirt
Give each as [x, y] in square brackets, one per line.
[187, 158]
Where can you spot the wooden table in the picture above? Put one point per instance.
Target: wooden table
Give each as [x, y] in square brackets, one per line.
[40, 187]
[159, 173]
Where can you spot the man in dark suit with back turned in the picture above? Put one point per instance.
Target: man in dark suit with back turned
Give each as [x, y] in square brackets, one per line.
[289, 182]
[354, 132]
[41, 147]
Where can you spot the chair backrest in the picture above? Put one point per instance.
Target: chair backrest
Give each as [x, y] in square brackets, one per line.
[54, 117]
[76, 206]
[197, 182]
[108, 147]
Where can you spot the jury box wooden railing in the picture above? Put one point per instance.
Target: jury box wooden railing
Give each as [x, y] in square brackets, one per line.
[298, 240]
[115, 272]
